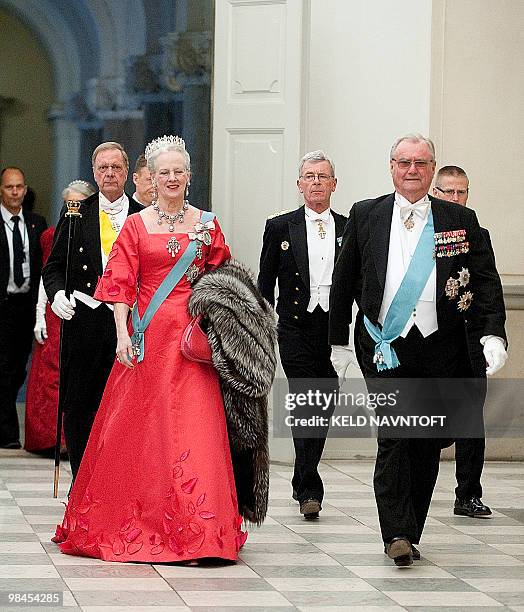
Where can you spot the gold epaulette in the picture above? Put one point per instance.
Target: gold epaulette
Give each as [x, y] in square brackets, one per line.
[280, 212]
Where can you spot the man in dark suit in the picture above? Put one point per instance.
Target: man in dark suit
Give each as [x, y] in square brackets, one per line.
[299, 250]
[89, 341]
[144, 190]
[452, 185]
[414, 265]
[20, 267]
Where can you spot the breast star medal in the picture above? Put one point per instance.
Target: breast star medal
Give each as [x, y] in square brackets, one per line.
[173, 246]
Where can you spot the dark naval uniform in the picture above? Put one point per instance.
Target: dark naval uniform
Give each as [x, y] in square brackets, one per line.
[302, 335]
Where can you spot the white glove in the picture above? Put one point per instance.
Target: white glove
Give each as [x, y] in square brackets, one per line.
[40, 330]
[341, 357]
[41, 327]
[495, 354]
[63, 307]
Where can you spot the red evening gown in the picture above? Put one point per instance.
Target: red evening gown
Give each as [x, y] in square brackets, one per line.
[156, 482]
[41, 403]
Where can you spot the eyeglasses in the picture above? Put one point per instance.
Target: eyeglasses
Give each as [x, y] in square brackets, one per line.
[452, 192]
[113, 167]
[310, 177]
[420, 164]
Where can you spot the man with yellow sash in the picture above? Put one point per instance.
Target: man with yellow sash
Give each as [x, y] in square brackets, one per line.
[89, 342]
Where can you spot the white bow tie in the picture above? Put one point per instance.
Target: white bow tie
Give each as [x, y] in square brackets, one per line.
[112, 208]
[313, 216]
[419, 209]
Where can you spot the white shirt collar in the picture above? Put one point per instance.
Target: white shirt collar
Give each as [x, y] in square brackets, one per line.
[7, 215]
[314, 216]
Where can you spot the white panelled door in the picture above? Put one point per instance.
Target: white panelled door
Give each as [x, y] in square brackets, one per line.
[256, 126]
[256, 117]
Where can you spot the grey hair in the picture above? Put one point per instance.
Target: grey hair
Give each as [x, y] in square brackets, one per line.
[414, 137]
[79, 186]
[316, 156]
[168, 147]
[110, 146]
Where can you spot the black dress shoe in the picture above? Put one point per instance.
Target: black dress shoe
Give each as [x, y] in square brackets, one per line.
[15, 445]
[472, 507]
[415, 552]
[310, 509]
[400, 550]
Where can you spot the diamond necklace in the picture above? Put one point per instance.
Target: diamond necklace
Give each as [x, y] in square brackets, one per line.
[171, 219]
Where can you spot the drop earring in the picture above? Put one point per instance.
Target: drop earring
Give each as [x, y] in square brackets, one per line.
[155, 192]
[187, 190]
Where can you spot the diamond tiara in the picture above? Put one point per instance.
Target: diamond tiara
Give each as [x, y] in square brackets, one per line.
[79, 182]
[162, 143]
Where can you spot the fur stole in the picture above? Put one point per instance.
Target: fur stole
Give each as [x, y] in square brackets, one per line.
[241, 329]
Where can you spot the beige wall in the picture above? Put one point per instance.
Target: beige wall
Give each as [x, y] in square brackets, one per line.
[477, 116]
[25, 132]
[367, 81]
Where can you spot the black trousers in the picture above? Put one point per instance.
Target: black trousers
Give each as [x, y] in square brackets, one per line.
[88, 355]
[305, 355]
[17, 320]
[406, 469]
[469, 462]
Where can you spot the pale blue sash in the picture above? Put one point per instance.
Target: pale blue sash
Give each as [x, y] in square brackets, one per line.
[404, 301]
[165, 288]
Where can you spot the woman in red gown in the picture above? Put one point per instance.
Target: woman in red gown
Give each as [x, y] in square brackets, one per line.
[156, 482]
[41, 405]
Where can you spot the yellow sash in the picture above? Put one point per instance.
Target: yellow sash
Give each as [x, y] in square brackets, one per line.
[107, 233]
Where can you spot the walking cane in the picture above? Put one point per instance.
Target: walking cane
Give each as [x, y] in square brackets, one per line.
[73, 212]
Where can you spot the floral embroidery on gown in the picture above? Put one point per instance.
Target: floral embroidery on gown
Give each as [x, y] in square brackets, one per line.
[156, 482]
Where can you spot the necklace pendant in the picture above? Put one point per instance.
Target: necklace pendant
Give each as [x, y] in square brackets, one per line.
[171, 228]
[409, 223]
[159, 221]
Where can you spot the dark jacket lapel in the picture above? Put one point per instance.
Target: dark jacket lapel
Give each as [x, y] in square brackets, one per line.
[134, 206]
[91, 231]
[443, 264]
[298, 238]
[4, 259]
[380, 230]
[34, 246]
[340, 224]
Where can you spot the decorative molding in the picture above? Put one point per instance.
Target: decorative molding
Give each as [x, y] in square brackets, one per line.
[513, 296]
[187, 58]
[254, 74]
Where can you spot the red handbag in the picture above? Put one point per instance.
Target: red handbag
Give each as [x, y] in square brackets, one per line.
[194, 343]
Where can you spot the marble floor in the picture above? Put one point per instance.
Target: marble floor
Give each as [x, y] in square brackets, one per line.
[333, 564]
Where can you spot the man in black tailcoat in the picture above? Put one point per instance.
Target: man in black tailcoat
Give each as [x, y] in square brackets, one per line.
[89, 341]
[20, 267]
[299, 250]
[380, 250]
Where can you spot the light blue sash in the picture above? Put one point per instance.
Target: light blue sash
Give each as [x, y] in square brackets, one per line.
[404, 301]
[167, 285]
